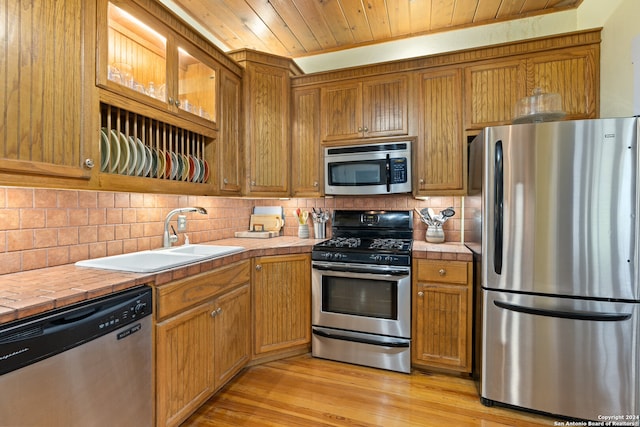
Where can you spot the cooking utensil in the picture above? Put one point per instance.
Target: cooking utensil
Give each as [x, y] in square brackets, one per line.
[448, 212]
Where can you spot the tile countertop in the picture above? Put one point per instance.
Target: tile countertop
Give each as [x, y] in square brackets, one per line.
[35, 291]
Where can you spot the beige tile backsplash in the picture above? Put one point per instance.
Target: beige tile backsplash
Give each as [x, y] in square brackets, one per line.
[43, 227]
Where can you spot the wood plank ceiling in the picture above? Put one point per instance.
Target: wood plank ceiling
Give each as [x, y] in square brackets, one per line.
[297, 28]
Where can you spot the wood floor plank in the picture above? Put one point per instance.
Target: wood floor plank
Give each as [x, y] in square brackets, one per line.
[306, 391]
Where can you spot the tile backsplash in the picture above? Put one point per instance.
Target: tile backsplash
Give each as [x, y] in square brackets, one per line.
[44, 227]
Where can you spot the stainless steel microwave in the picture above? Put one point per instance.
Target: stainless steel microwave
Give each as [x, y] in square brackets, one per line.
[381, 168]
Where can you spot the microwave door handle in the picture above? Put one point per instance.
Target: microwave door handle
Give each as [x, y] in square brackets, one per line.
[388, 167]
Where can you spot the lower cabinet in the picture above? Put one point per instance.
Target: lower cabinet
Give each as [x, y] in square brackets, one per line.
[203, 335]
[442, 315]
[282, 305]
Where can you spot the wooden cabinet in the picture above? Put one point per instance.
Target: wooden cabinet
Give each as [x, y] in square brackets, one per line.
[46, 86]
[282, 304]
[158, 84]
[144, 59]
[306, 151]
[574, 74]
[232, 334]
[492, 92]
[266, 106]
[203, 335]
[440, 152]
[229, 163]
[495, 87]
[442, 315]
[368, 108]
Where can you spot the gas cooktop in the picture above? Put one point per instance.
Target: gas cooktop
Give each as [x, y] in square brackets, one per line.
[372, 237]
[366, 244]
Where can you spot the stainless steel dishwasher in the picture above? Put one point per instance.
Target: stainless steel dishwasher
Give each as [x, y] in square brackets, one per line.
[89, 364]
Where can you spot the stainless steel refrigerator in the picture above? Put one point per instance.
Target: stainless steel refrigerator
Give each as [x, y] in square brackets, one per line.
[555, 234]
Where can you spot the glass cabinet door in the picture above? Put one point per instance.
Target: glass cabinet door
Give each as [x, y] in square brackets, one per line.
[196, 86]
[137, 55]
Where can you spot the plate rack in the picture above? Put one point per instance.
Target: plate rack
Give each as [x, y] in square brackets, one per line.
[135, 145]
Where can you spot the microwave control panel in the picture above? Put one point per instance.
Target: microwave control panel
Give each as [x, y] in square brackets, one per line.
[398, 170]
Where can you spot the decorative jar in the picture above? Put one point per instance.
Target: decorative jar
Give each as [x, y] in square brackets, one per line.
[303, 231]
[435, 234]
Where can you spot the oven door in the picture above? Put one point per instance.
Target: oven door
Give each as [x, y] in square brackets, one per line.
[363, 298]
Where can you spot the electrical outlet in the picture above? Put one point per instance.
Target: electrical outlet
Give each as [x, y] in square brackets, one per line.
[182, 222]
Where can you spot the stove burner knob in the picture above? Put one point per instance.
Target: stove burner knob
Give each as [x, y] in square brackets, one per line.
[326, 255]
[337, 255]
[377, 258]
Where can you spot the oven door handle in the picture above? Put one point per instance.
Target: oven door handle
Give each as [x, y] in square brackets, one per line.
[390, 272]
[399, 343]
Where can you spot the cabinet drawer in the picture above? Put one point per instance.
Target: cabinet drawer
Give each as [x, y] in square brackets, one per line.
[182, 294]
[441, 271]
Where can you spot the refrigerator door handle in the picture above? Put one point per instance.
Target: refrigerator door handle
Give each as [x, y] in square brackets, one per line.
[575, 315]
[498, 170]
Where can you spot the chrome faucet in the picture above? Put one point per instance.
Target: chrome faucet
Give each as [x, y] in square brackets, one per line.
[170, 239]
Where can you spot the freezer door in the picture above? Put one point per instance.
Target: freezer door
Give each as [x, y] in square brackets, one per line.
[559, 208]
[563, 356]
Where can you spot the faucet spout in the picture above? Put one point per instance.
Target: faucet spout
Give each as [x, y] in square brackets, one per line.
[168, 239]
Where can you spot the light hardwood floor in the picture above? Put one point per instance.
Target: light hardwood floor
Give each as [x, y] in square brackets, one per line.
[305, 391]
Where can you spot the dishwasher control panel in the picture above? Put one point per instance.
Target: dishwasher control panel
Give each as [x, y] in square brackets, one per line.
[127, 312]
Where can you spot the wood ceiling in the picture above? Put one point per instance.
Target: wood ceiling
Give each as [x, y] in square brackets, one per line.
[297, 28]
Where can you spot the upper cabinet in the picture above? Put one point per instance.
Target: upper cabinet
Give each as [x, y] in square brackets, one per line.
[229, 164]
[306, 151]
[46, 85]
[159, 103]
[143, 59]
[367, 108]
[440, 151]
[494, 87]
[266, 89]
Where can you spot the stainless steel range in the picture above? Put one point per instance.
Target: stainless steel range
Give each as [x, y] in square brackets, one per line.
[361, 290]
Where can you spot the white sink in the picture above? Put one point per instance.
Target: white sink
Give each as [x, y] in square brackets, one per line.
[158, 260]
[204, 250]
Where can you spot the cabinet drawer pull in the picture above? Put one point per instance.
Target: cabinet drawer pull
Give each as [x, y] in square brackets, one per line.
[442, 271]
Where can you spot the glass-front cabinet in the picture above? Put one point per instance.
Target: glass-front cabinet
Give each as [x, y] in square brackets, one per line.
[146, 60]
[158, 85]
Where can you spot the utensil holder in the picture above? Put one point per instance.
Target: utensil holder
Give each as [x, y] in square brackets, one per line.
[303, 231]
[435, 234]
[319, 230]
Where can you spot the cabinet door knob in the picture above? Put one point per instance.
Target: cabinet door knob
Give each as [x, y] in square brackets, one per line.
[258, 267]
[359, 128]
[366, 129]
[177, 103]
[89, 163]
[315, 183]
[225, 180]
[253, 183]
[442, 271]
[421, 181]
[214, 313]
[420, 294]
